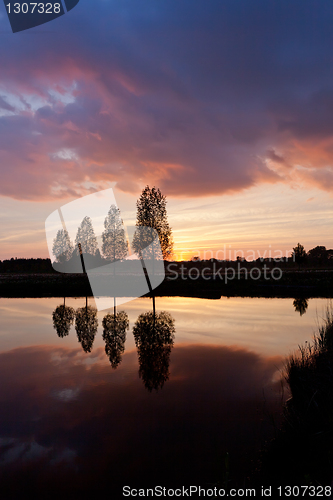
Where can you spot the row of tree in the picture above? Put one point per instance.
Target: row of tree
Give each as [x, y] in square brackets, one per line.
[151, 212]
[153, 333]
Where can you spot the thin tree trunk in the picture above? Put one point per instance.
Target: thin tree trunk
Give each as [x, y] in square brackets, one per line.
[154, 314]
[81, 257]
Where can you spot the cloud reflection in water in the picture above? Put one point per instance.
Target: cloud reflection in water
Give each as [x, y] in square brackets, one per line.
[115, 432]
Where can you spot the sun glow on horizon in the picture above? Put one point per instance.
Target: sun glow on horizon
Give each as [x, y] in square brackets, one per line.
[211, 227]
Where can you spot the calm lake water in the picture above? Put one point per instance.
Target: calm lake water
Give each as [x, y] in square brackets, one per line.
[165, 407]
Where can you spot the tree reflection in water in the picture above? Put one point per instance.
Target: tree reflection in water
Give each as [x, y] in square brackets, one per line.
[154, 338]
[63, 318]
[301, 304]
[86, 326]
[114, 336]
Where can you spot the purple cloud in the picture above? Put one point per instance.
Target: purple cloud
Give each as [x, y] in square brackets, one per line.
[191, 97]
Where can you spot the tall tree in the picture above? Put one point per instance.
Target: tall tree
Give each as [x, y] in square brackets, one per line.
[114, 245]
[299, 254]
[151, 211]
[154, 338]
[85, 236]
[114, 336]
[63, 318]
[62, 246]
[86, 324]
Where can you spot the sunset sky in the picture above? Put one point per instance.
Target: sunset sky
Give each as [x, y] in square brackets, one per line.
[225, 105]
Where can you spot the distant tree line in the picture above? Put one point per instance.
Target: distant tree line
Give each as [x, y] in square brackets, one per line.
[317, 257]
[26, 266]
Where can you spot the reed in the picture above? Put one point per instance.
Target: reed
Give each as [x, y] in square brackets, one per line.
[302, 452]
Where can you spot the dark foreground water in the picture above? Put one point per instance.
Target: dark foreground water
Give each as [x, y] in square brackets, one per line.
[186, 398]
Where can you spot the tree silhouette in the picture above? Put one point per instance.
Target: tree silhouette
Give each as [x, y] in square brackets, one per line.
[154, 338]
[62, 246]
[318, 255]
[300, 304]
[63, 318]
[114, 239]
[146, 244]
[151, 211]
[299, 254]
[114, 336]
[85, 237]
[86, 326]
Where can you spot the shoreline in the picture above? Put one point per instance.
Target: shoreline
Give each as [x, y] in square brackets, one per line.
[293, 284]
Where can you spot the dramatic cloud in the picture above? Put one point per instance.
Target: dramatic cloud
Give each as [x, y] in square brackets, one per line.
[199, 98]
